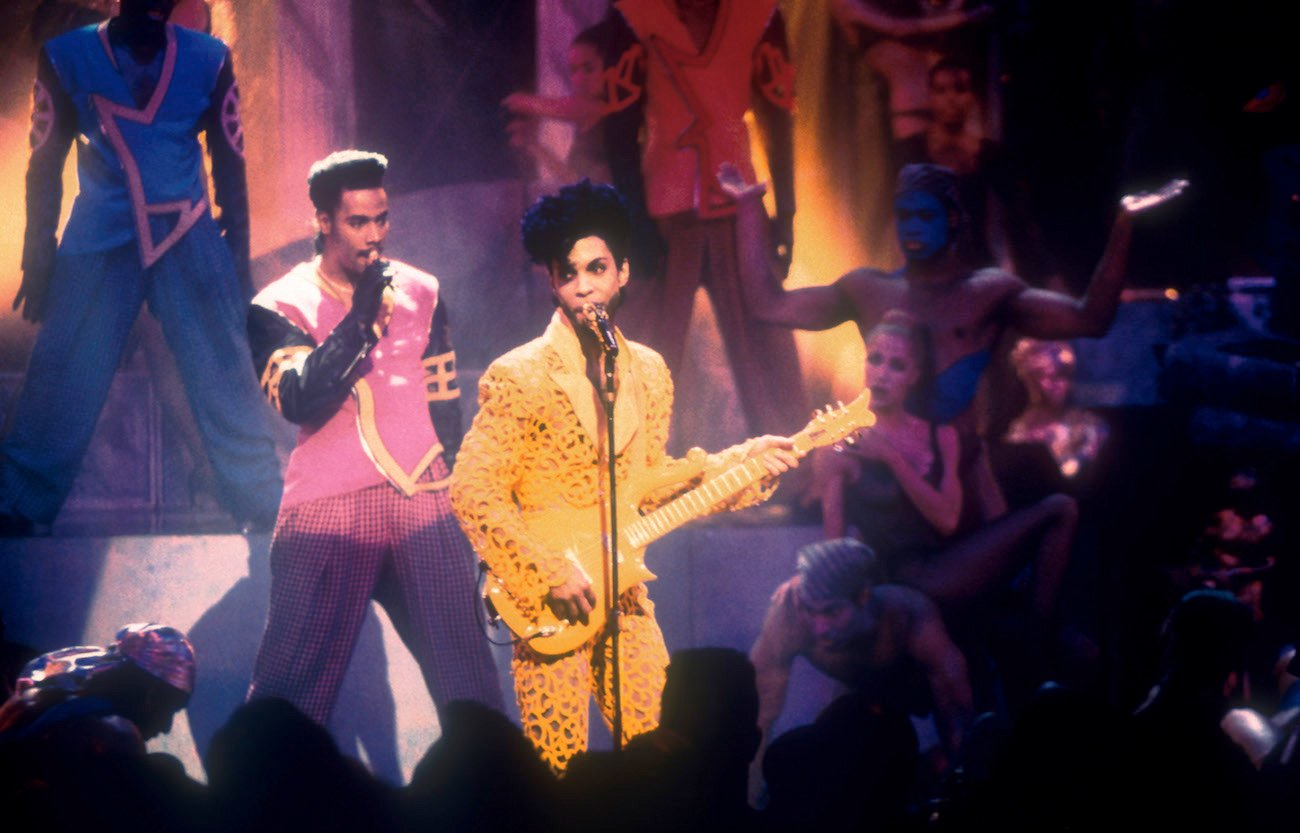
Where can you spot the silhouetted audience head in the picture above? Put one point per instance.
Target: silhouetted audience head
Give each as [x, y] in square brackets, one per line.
[1206, 637]
[854, 768]
[271, 768]
[482, 774]
[711, 699]
[1195, 775]
[1062, 765]
[691, 772]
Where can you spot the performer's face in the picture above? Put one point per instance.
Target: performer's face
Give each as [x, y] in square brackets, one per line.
[585, 71]
[923, 225]
[831, 620]
[154, 714]
[192, 14]
[951, 98]
[1049, 379]
[891, 370]
[157, 9]
[589, 275]
[355, 229]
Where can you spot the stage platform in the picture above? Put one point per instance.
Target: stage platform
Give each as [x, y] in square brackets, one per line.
[715, 578]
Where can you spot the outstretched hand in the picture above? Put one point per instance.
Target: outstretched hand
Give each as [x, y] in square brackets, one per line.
[734, 185]
[1144, 200]
[31, 295]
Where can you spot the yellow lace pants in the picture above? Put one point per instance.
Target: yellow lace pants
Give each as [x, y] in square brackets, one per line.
[554, 692]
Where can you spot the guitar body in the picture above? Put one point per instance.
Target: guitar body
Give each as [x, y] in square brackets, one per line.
[582, 533]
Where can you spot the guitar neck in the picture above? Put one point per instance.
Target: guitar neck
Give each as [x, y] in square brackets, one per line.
[703, 500]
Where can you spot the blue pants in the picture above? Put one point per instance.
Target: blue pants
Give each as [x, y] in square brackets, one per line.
[92, 303]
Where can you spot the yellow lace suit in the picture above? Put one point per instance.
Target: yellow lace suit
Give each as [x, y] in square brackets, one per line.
[534, 445]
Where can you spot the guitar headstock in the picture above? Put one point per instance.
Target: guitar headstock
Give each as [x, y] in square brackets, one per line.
[835, 422]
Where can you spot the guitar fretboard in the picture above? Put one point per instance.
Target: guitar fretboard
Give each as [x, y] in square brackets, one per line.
[696, 503]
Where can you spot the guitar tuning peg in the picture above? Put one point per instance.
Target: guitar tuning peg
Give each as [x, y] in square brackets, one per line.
[851, 439]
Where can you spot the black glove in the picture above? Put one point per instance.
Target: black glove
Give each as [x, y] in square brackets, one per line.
[368, 295]
[31, 294]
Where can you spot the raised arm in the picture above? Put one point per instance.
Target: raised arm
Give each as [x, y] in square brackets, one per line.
[832, 471]
[773, 656]
[580, 111]
[1041, 313]
[808, 308]
[941, 506]
[225, 138]
[304, 381]
[773, 80]
[54, 126]
[865, 13]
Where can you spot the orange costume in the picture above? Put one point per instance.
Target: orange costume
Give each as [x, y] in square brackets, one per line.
[689, 104]
[536, 449]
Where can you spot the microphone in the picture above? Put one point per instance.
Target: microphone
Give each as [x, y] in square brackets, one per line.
[378, 266]
[598, 320]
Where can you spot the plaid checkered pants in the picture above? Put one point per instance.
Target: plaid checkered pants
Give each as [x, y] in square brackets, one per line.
[330, 557]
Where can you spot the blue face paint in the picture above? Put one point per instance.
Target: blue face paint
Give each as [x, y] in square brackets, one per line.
[922, 223]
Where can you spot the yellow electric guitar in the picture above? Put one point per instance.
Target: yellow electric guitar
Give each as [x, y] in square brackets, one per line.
[581, 532]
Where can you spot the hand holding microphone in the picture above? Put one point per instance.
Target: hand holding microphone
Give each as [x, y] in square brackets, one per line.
[598, 320]
[368, 298]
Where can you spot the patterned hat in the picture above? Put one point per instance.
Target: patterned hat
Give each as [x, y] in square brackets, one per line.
[66, 669]
[837, 569]
[160, 650]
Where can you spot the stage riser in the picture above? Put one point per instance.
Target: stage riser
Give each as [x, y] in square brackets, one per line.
[713, 587]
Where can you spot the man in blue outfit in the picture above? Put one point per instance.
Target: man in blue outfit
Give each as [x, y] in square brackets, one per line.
[135, 91]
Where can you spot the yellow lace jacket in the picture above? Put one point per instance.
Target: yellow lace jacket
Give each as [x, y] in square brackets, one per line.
[534, 446]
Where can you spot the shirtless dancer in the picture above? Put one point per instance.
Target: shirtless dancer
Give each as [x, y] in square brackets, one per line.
[965, 310]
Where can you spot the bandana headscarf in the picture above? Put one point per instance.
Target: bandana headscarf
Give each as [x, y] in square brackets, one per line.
[159, 650]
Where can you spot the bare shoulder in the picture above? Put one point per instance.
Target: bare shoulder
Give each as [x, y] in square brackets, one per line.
[995, 280]
[869, 280]
[902, 602]
[784, 634]
[785, 595]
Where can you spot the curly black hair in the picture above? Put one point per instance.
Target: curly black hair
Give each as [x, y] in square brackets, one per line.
[552, 224]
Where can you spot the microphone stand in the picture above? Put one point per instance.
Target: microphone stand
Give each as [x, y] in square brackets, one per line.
[607, 398]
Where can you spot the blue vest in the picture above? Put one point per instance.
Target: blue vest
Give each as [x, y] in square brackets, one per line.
[140, 170]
